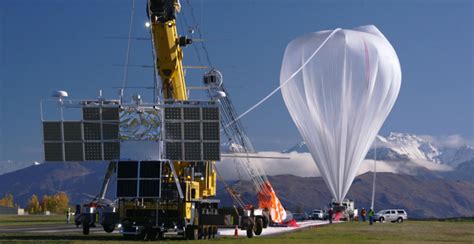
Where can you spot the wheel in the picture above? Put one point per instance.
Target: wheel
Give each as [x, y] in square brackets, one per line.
[200, 232]
[250, 231]
[214, 231]
[85, 228]
[400, 220]
[210, 230]
[109, 228]
[266, 219]
[258, 226]
[381, 219]
[150, 234]
[191, 233]
[204, 233]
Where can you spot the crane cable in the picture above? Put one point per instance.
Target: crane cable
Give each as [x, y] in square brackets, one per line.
[127, 55]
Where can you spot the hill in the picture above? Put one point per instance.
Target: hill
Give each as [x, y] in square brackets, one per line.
[432, 196]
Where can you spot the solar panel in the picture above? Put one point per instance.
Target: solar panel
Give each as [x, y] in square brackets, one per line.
[149, 188]
[110, 130]
[210, 113]
[211, 151]
[53, 151]
[93, 150]
[95, 137]
[111, 150]
[91, 113]
[52, 131]
[210, 131]
[192, 151]
[191, 113]
[138, 179]
[192, 131]
[127, 169]
[74, 151]
[172, 113]
[127, 188]
[150, 169]
[92, 131]
[174, 150]
[110, 113]
[72, 131]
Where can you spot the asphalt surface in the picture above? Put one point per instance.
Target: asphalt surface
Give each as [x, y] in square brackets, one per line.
[57, 228]
[72, 229]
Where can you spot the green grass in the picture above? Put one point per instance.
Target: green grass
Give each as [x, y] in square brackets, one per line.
[410, 231]
[19, 220]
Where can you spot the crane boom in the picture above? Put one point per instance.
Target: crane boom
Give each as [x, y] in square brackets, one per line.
[167, 45]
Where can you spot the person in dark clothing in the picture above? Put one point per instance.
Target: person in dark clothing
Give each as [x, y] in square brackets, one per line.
[331, 213]
[362, 214]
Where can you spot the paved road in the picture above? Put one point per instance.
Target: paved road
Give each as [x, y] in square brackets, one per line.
[276, 230]
[71, 229]
[65, 228]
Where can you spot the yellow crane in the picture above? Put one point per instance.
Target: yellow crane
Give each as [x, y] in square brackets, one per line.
[193, 214]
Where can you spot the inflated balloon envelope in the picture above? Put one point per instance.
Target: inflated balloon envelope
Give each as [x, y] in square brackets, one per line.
[339, 87]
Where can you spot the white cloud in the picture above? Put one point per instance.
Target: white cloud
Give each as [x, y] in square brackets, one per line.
[302, 164]
[450, 141]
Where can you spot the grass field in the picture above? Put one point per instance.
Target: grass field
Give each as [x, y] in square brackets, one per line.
[410, 231]
[18, 220]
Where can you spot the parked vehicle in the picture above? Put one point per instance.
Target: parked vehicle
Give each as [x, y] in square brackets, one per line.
[392, 215]
[300, 216]
[318, 214]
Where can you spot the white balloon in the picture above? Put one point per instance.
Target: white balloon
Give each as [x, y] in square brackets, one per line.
[339, 87]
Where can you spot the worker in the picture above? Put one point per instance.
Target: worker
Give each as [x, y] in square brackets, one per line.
[371, 216]
[362, 214]
[331, 212]
[356, 215]
[68, 215]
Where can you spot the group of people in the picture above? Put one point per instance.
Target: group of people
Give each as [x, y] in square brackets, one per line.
[363, 214]
[355, 216]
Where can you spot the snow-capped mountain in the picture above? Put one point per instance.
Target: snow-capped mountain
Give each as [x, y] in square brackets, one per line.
[8, 166]
[410, 147]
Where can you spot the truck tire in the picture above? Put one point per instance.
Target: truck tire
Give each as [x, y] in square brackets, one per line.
[214, 231]
[250, 231]
[266, 219]
[258, 226]
[192, 233]
[85, 228]
[109, 228]
[400, 220]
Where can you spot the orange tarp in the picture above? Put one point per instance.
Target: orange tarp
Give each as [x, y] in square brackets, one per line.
[267, 199]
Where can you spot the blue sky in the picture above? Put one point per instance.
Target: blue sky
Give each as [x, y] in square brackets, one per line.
[57, 44]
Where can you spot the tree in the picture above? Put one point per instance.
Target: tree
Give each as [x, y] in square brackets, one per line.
[62, 202]
[33, 205]
[57, 203]
[46, 203]
[7, 201]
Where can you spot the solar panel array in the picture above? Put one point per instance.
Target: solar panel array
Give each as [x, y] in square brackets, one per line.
[138, 179]
[95, 138]
[192, 132]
